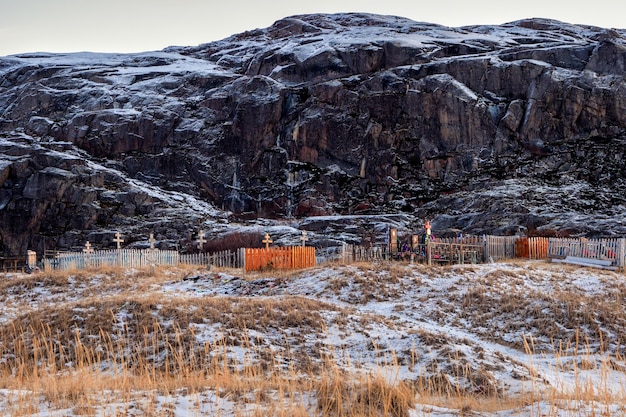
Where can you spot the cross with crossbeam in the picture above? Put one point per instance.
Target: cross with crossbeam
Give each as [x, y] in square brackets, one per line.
[88, 248]
[118, 239]
[304, 238]
[152, 240]
[201, 240]
[267, 240]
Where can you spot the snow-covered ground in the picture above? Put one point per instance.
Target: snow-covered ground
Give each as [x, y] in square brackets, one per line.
[543, 339]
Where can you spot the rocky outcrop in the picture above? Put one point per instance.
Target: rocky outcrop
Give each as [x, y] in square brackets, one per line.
[481, 129]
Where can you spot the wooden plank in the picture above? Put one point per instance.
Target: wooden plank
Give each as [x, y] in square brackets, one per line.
[521, 248]
[584, 248]
[296, 257]
[604, 262]
[538, 248]
[574, 261]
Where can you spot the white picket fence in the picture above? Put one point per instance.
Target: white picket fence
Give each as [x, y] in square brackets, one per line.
[141, 258]
[603, 249]
[126, 258]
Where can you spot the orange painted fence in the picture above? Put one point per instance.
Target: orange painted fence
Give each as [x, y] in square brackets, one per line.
[290, 257]
[538, 247]
[531, 247]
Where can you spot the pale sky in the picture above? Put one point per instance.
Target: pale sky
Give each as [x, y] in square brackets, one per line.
[148, 25]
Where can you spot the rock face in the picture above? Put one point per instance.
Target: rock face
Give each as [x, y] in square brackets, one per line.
[485, 129]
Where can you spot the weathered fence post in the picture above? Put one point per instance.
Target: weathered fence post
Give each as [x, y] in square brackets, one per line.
[622, 254]
[242, 258]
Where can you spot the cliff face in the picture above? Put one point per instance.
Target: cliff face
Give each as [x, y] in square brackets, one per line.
[481, 129]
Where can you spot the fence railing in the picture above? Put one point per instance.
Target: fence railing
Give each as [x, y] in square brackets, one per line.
[474, 249]
[251, 259]
[126, 258]
[290, 257]
[454, 253]
[537, 247]
[553, 247]
[466, 250]
[221, 259]
[356, 253]
[495, 248]
[585, 248]
[498, 248]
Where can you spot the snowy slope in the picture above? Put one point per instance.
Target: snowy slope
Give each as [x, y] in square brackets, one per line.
[510, 328]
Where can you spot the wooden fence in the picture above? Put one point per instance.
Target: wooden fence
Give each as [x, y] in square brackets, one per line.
[495, 248]
[13, 264]
[594, 249]
[356, 253]
[454, 253]
[250, 259]
[559, 248]
[465, 240]
[538, 247]
[466, 250]
[498, 248]
[446, 250]
[126, 258]
[222, 259]
[290, 257]
[531, 247]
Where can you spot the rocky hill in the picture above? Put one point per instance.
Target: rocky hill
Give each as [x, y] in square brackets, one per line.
[484, 129]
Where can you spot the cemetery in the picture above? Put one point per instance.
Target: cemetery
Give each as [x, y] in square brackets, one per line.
[422, 248]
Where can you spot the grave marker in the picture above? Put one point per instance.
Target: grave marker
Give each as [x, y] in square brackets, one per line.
[150, 253]
[88, 249]
[201, 240]
[267, 240]
[415, 242]
[152, 240]
[31, 259]
[118, 240]
[304, 238]
[393, 240]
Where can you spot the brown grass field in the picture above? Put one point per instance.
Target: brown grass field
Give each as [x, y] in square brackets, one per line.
[389, 339]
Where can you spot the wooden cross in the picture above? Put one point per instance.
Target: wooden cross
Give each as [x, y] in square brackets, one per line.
[267, 240]
[118, 239]
[304, 238]
[201, 240]
[152, 240]
[88, 248]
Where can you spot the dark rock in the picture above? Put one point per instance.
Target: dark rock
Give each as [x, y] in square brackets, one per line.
[484, 129]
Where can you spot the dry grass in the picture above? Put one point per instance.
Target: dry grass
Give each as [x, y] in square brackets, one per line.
[364, 283]
[123, 330]
[500, 303]
[73, 377]
[120, 340]
[338, 395]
